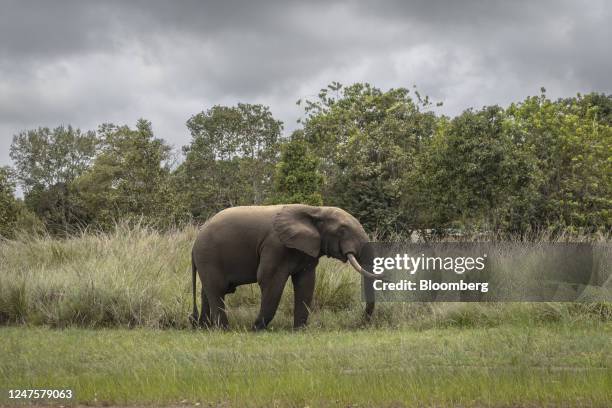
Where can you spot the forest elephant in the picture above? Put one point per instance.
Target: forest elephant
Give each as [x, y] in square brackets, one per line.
[267, 245]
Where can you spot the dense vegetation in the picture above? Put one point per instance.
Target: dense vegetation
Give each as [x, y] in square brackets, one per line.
[386, 156]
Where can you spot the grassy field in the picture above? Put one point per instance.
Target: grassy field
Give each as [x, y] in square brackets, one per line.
[545, 365]
[106, 316]
[137, 277]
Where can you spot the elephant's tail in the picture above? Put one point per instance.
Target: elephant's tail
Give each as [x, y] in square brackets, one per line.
[195, 316]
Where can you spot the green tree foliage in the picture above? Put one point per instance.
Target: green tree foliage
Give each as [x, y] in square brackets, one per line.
[45, 157]
[47, 162]
[15, 217]
[469, 173]
[571, 142]
[382, 155]
[8, 204]
[297, 179]
[537, 165]
[368, 140]
[230, 160]
[599, 104]
[130, 178]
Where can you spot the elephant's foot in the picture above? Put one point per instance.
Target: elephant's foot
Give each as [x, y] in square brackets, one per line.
[194, 320]
[259, 325]
[204, 323]
[300, 322]
[201, 322]
[369, 310]
[221, 324]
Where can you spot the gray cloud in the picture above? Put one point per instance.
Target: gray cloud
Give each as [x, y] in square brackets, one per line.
[85, 63]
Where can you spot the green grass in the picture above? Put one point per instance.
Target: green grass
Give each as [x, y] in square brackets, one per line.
[542, 365]
[107, 316]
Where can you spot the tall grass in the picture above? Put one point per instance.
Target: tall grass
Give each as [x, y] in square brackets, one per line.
[137, 276]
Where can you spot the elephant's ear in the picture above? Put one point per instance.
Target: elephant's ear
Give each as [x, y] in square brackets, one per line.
[295, 226]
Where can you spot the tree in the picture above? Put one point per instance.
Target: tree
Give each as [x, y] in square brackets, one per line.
[599, 105]
[45, 157]
[470, 173]
[14, 215]
[231, 158]
[47, 162]
[571, 141]
[297, 179]
[8, 204]
[367, 140]
[130, 178]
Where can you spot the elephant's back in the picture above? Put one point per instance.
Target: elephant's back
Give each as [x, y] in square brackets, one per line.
[234, 230]
[244, 217]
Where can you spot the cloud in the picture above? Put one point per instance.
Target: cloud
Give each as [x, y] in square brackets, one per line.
[85, 63]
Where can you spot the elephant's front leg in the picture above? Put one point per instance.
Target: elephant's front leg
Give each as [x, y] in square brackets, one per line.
[271, 291]
[303, 289]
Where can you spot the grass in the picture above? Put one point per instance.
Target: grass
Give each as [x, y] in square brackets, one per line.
[545, 365]
[106, 315]
[138, 277]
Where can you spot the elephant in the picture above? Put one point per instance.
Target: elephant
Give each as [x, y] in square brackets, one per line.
[267, 245]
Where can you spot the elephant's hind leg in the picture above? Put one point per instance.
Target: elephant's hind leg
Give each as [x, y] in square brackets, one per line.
[204, 320]
[213, 296]
[218, 315]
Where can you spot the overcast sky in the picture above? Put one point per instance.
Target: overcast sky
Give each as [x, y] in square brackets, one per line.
[88, 62]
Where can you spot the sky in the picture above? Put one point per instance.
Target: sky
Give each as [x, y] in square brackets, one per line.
[86, 63]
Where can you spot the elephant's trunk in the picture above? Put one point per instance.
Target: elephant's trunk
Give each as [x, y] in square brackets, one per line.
[368, 275]
[358, 268]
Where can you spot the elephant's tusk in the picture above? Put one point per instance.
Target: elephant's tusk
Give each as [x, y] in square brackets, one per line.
[358, 268]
